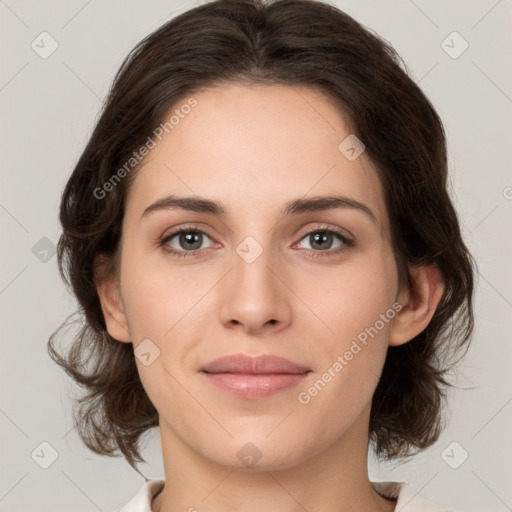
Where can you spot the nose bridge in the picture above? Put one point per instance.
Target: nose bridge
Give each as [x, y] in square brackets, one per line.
[254, 251]
[252, 262]
[253, 295]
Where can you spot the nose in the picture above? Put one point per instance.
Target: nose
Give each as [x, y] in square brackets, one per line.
[254, 295]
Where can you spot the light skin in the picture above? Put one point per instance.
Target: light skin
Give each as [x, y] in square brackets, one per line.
[254, 148]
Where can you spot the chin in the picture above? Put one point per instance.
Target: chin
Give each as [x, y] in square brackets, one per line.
[259, 453]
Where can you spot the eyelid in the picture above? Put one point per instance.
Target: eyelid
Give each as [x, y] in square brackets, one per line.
[319, 227]
[329, 227]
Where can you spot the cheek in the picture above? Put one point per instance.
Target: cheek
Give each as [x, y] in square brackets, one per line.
[160, 303]
[351, 358]
[352, 297]
[357, 307]
[156, 296]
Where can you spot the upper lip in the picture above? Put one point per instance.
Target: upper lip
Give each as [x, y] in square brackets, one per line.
[240, 363]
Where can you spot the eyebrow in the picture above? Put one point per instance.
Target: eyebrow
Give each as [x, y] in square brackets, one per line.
[294, 207]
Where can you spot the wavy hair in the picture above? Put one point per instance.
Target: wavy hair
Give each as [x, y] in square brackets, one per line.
[290, 42]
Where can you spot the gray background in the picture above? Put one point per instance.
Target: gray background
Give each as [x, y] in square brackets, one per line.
[48, 109]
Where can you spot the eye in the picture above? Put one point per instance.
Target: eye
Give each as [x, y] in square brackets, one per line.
[321, 241]
[189, 242]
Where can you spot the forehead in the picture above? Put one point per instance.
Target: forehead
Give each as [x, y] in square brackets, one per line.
[253, 148]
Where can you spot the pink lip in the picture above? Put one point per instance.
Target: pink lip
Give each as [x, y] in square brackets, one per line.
[254, 377]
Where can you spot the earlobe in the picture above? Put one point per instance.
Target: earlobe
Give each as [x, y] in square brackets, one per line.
[419, 305]
[111, 304]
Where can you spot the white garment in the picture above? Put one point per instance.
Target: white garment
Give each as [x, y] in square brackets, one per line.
[408, 499]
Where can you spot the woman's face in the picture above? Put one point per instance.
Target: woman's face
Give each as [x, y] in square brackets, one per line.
[258, 279]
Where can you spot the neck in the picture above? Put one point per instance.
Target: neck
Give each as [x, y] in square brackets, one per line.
[333, 480]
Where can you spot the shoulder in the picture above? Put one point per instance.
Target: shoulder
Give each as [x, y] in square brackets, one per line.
[141, 502]
[408, 500]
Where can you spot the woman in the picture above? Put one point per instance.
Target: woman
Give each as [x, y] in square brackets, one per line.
[257, 132]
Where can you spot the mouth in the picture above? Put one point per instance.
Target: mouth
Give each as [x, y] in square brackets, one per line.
[254, 377]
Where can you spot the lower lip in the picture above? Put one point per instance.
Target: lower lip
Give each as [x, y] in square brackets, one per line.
[255, 385]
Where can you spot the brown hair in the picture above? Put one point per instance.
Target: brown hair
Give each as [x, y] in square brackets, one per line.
[290, 42]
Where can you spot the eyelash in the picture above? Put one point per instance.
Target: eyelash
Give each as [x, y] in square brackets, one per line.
[347, 242]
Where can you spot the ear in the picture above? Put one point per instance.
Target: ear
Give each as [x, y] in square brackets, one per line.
[418, 306]
[111, 303]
